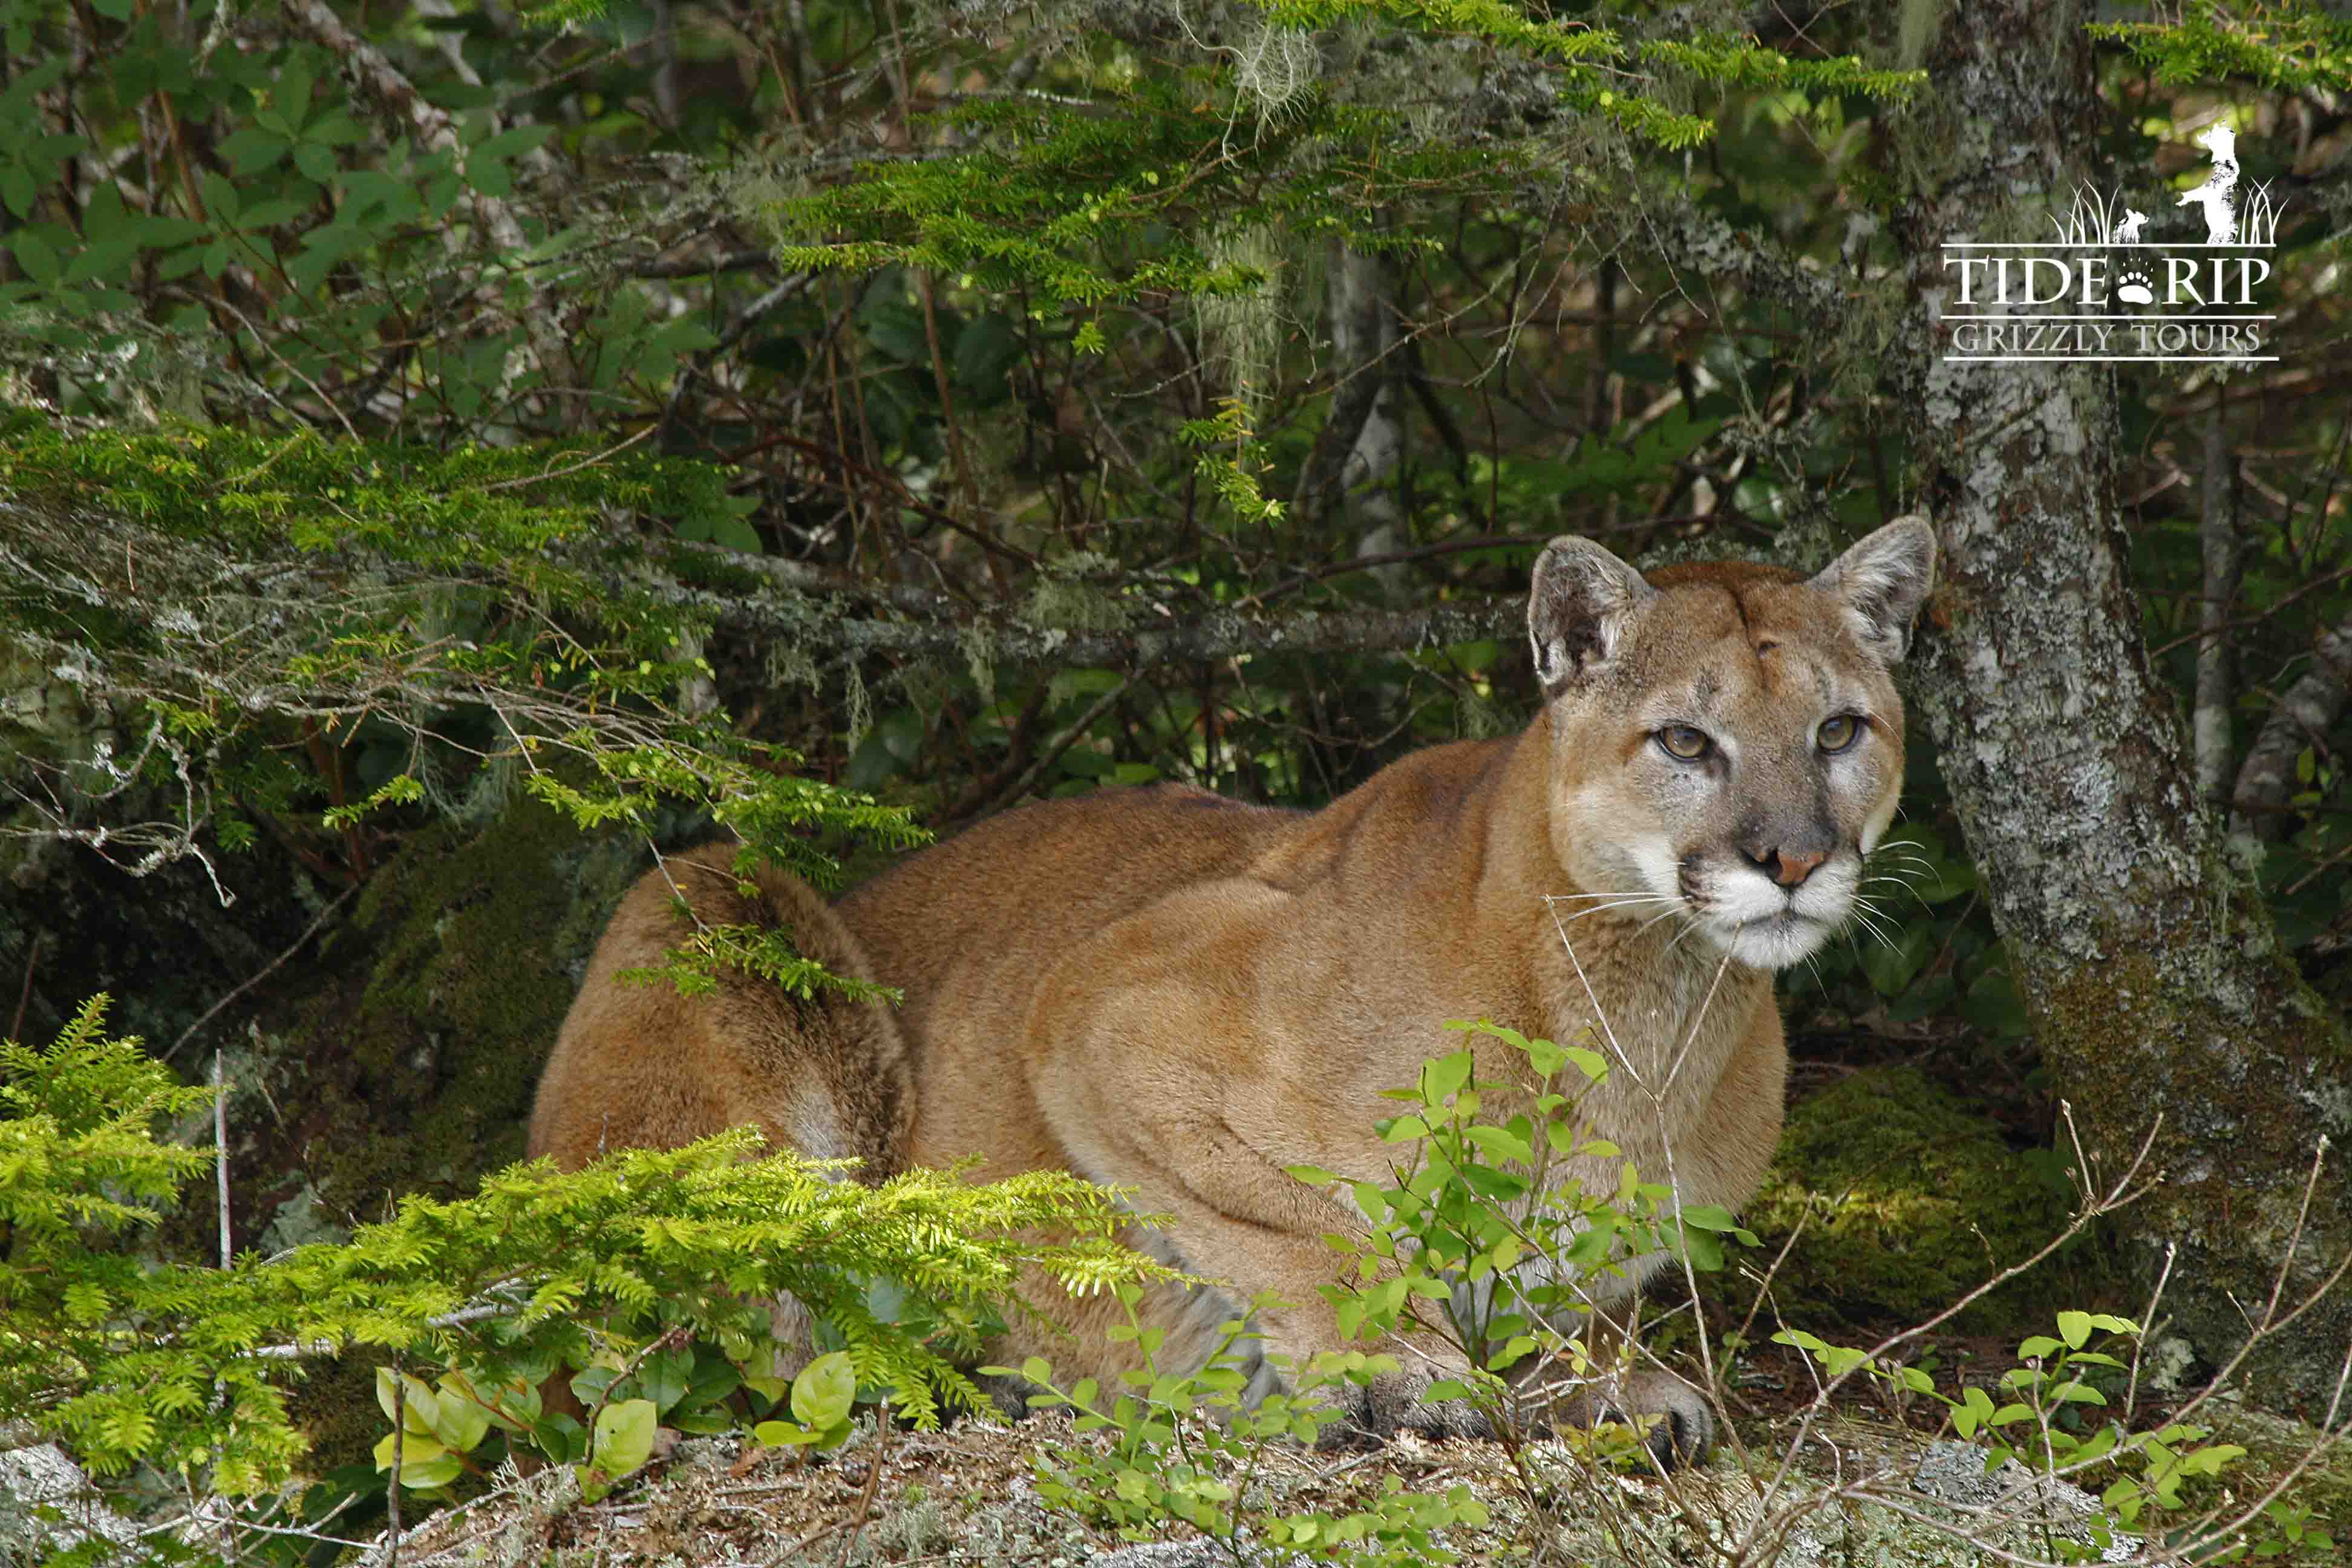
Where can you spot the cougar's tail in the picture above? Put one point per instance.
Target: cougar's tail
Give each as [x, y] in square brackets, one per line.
[643, 1067]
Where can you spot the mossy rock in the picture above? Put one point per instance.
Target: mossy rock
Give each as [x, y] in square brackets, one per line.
[409, 1063]
[1909, 1201]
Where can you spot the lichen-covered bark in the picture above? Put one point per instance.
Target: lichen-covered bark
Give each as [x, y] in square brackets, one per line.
[2151, 973]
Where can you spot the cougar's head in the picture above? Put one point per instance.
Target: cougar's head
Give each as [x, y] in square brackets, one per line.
[1727, 740]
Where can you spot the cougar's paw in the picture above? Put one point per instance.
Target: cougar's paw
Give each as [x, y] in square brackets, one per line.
[1392, 1403]
[1681, 1427]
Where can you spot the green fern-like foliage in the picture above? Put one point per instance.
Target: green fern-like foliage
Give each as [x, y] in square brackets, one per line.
[2293, 46]
[1121, 196]
[129, 1360]
[647, 1243]
[93, 1340]
[247, 604]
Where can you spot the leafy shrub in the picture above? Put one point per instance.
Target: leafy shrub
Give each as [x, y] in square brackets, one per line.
[2041, 1420]
[653, 1272]
[1188, 1448]
[1487, 1204]
[421, 612]
[1481, 1241]
[1472, 1202]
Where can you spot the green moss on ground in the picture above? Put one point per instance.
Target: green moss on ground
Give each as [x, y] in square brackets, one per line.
[1908, 1201]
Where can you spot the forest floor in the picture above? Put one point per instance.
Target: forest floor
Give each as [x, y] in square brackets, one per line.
[1860, 1487]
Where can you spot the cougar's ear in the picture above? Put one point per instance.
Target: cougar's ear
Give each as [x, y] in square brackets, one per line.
[1882, 581]
[1578, 605]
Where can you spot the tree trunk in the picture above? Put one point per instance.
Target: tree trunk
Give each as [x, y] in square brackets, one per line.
[2149, 969]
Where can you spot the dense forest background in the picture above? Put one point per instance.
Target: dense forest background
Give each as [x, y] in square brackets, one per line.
[452, 449]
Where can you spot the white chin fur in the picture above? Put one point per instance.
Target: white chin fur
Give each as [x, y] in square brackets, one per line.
[1777, 943]
[1749, 915]
[1755, 920]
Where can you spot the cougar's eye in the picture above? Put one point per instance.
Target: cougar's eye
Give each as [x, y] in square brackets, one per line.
[1838, 734]
[1683, 743]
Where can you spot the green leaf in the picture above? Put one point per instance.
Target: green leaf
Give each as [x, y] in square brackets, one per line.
[420, 1410]
[624, 1437]
[826, 1390]
[221, 199]
[459, 1420]
[1891, 966]
[737, 533]
[423, 1475]
[272, 213]
[1444, 1076]
[414, 1448]
[2075, 1327]
[509, 143]
[37, 256]
[317, 161]
[251, 149]
[785, 1434]
[1500, 1146]
[663, 1376]
[1590, 1063]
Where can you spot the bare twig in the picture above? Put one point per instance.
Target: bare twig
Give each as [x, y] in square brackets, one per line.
[873, 1483]
[262, 974]
[24, 992]
[392, 1492]
[1062, 743]
[220, 1153]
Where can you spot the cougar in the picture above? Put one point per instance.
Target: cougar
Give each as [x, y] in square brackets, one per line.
[1173, 992]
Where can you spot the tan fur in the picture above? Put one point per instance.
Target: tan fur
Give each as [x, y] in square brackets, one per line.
[1182, 995]
[641, 1067]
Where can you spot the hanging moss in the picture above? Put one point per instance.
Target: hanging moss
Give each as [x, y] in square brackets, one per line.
[1913, 1201]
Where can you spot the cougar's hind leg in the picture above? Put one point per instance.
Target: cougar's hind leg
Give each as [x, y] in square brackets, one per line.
[643, 1066]
[851, 1075]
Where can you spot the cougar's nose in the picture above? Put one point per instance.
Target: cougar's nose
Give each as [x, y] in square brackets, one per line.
[1787, 869]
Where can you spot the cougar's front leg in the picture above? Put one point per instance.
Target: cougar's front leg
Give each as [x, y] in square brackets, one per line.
[1140, 1110]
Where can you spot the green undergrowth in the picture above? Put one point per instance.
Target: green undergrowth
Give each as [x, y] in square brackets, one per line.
[180, 1370]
